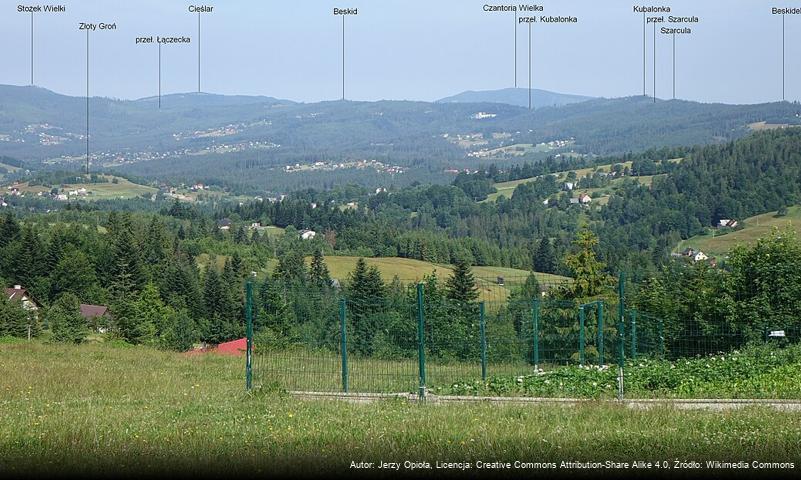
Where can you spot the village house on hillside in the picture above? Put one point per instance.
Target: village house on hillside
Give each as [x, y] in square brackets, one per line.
[582, 199]
[20, 294]
[727, 223]
[95, 315]
[696, 255]
[308, 234]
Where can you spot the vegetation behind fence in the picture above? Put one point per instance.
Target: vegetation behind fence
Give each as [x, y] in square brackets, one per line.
[412, 335]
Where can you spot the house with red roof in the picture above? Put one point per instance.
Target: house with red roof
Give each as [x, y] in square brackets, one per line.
[19, 294]
[96, 316]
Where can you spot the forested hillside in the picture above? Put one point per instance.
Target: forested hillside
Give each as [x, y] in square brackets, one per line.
[257, 144]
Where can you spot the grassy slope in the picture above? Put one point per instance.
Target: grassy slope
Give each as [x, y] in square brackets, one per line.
[412, 270]
[753, 228]
[506, 189]
[123, 189]
[101, 409]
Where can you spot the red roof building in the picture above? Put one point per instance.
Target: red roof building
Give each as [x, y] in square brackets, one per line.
[234, 347]
[19, 294]
[93, 311]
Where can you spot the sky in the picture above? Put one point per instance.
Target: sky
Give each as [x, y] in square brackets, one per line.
[402, 50]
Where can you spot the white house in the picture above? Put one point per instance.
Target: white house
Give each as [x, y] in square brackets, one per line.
[700, 256]
[727, 222]
[307, 234]
[584, 199]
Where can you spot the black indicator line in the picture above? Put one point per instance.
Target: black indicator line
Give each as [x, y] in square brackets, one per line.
[159, 75]
[32, 49]
[87, 101]
[674, 65]
[343, 57]
[515, 30]
[529, 65]
[783, 96]
[198, 52]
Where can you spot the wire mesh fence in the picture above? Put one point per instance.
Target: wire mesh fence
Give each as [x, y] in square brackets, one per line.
[412, 336]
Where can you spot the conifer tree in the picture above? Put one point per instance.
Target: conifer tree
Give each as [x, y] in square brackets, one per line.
[15, 320]
[9, 229]
[65, 320]
[318, 274]
[461, 285]
[545, 257]
[75, 274]
[588, 271]
[127, 274]
[366, 299]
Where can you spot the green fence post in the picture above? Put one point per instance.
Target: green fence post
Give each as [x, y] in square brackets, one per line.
[249, 335]
[421, 352]
[633, 314]
[621, 311]
[535, 314]
[343, 334]
[621, 342]
[582, 321]
[600, 332]
[482, 325]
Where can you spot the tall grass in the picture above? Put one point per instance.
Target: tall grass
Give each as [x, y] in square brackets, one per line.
[101, 409]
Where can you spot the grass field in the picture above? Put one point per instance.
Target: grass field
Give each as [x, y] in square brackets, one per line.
[506, 189]
[99, 191]
[409, 270]
[753, 229]
[102, 410]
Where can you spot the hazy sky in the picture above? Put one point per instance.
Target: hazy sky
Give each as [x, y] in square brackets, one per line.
[402, 49]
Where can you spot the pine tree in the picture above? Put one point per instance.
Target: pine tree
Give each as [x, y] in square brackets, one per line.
[291, 267]
[151, 316]
[127, 274]
[9, 230]
[588, 271]
[75, 274]
[272, 309]
[318, 274]
[217, 308]
[15, 320]
[241, 236]
[155, 242]
[461, 285]
[65, 320]
[366, 299]
[545, 257]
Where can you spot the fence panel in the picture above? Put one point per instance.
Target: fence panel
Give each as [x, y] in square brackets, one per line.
[297, 339]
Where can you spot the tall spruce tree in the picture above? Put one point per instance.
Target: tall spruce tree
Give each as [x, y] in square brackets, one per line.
[366, 299]
[66, 321]
[318, 273]
[461, 285]
[545, 257]
[588, 271]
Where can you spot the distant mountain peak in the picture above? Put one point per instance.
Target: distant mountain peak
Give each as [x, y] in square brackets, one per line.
[517, 97]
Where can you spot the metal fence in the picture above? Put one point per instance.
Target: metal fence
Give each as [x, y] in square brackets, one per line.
[412, 336]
